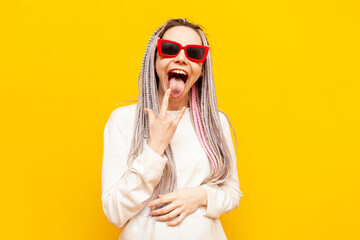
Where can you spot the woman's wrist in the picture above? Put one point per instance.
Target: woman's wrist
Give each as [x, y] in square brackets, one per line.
[156, 148]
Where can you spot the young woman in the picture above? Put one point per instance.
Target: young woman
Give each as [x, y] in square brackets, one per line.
[169, 166]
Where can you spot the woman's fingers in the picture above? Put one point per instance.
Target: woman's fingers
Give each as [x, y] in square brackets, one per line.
[178, 220]
[169, 216]
[163, 126]
[163, 199]
[163, 210]
[182, 203]
[165, 103]
[179, 116]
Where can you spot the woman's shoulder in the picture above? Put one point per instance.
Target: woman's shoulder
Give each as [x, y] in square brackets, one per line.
[125, 110]
[123, 113]
[223, 118]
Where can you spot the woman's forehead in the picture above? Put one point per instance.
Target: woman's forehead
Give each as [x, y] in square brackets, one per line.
[183, 35]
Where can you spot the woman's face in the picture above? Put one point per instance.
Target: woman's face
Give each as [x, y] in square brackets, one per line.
[171, 70]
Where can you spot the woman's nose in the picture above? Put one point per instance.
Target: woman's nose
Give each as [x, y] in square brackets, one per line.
[181, 57]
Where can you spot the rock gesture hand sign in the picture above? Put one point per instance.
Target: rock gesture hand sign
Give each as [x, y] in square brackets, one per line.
[162, 127]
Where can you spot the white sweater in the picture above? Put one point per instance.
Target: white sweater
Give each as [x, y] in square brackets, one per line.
[126, 191]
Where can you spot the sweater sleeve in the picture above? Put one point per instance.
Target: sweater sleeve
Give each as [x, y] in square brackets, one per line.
[125, 190]
[224, 197]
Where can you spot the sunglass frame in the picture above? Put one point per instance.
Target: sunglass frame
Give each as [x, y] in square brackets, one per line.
[160, 41]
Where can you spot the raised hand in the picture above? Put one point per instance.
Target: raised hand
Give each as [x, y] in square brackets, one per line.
[162, 127]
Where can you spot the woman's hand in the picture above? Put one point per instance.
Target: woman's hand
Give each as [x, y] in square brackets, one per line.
[162, 128]
[182, 203]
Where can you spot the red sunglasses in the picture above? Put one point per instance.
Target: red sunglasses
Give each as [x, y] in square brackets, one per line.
[195, 53]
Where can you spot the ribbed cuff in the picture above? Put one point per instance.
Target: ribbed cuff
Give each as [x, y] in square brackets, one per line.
[149, 165]
[211, 201]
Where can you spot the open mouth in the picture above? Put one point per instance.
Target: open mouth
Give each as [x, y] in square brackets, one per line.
[178, 74]
[177, 79]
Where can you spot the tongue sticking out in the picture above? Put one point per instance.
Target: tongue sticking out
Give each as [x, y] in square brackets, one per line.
[177, 86]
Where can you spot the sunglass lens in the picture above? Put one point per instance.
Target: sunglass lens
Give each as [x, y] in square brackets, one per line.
[195, 52]
[169, 48]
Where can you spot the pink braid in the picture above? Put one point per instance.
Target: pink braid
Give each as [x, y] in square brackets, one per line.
[200, 130]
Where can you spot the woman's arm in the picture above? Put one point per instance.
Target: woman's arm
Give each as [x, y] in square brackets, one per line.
[224, 197]
[125, 191]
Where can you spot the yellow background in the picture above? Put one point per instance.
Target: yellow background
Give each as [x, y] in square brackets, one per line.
[286, 73]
